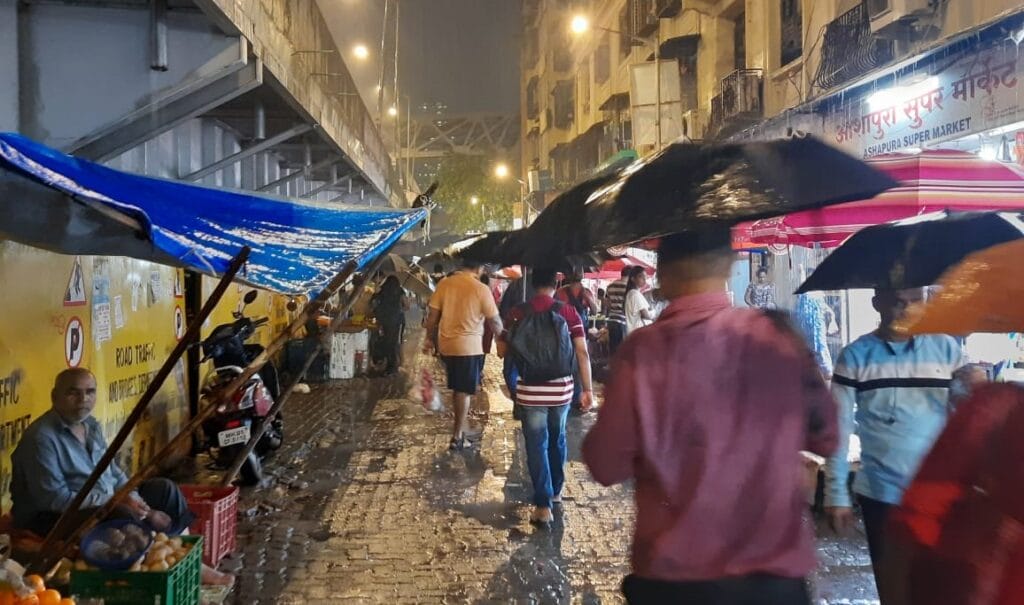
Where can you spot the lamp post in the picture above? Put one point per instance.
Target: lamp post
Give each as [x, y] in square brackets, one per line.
[502, 172]
[581, 24]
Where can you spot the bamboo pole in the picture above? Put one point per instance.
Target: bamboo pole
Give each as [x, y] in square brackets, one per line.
[47, 558]
[191, 334]
[236, 466]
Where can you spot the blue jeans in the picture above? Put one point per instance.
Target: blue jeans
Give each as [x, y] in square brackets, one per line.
[511, 375]
[546, 452]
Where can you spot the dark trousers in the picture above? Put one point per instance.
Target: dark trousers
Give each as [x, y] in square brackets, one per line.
[876, 514]
[758, 589]
[616, 333]
[390, 342]
[159, 493]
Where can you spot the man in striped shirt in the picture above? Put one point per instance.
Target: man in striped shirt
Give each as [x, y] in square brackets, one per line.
[895, 390]
[616, 297]
[545, 406]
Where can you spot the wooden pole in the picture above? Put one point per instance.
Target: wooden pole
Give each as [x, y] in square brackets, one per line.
[191, 334]
[236, 466]
[47, 558]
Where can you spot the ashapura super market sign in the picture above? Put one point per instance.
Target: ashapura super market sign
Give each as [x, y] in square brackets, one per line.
[974, 94]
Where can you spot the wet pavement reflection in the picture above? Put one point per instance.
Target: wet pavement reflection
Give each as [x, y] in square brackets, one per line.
[364, 504]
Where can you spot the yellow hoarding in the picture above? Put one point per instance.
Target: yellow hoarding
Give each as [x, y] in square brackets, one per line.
[117, 316]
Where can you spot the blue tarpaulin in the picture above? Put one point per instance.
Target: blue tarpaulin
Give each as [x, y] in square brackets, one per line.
[55, 201]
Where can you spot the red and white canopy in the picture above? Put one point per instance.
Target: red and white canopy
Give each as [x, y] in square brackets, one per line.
[931, 181]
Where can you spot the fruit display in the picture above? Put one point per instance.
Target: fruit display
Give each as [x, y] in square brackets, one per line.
[116, 545]
[163, 552]
[30, 590]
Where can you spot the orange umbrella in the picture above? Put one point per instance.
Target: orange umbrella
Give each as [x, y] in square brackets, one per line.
[984, 293]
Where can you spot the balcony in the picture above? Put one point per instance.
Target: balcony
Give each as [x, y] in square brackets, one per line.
[740, 104]
[666, 9]
[850, 50]
[644, 21]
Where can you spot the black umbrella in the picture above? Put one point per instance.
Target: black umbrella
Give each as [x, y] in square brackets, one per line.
[912, 253]
[689, 185]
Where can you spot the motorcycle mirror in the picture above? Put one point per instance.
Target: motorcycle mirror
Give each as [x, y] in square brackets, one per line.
[292, 305]
[250, 297]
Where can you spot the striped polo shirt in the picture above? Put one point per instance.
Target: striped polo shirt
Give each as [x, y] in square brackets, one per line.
[560, 390]
[896, 394]
[616, 295]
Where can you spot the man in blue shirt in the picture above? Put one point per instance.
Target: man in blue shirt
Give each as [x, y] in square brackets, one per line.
[894, 390]
[59, 451]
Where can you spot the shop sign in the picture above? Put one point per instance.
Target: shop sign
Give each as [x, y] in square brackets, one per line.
[979, 92]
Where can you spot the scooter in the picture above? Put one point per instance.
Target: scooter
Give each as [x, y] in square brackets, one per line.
[231, 427]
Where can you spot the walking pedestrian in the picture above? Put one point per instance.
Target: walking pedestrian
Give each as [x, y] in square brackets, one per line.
[579, 298]
[389, 306]
[638, 310]
[895, 389]
[707, 411]
[955, 537]
[458, 309]
[616, 311]
[517, 293]
[546, 338]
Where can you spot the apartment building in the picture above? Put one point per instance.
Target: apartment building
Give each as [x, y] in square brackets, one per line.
[870, 76]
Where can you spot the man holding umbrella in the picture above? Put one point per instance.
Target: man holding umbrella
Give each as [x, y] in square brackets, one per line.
[707, 411]
[895, 389]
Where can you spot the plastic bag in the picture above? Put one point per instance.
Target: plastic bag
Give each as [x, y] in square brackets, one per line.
[426, 393]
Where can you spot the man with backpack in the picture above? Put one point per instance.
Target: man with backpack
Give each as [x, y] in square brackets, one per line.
[546, 339]
[579, 298]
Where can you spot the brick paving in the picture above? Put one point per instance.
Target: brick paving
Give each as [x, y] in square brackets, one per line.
[366, 505]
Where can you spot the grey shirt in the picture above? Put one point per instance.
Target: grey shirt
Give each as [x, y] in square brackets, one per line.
[50, 465]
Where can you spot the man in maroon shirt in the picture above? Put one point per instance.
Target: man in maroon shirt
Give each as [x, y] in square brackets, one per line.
[707, 410]
[544, 406]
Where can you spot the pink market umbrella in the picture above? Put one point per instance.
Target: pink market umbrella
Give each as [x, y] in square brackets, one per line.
[930, 181]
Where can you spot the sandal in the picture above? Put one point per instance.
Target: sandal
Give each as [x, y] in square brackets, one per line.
[457, 444]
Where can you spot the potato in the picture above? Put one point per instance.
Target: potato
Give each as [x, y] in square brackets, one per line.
[159, 566]
[162, 537]
[99, 550]
[114, 537]
[176, 542]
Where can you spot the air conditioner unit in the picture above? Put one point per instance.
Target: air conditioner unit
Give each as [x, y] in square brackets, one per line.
[888, 15]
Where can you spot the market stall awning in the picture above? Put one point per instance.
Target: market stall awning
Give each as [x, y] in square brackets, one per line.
[930, 181]
[71, 206]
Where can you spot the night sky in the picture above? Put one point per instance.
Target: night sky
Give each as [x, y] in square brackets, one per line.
[463, 53]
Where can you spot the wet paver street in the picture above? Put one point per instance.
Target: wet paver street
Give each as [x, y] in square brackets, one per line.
[364, 504]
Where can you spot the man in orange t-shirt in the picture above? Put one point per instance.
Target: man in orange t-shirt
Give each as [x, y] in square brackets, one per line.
[458, 309]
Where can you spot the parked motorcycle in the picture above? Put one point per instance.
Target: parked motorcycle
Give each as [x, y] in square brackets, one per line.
[230, 428]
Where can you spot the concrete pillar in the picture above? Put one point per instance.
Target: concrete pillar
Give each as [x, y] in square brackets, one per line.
[9, 72]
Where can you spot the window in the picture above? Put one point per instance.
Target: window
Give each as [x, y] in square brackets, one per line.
[739, 41]
[583, 79]
[532, 102]
[625, 37]
[564, 103]
[603, 61]
[791, 31]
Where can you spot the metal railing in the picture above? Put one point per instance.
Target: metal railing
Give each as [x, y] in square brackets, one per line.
[850, 49]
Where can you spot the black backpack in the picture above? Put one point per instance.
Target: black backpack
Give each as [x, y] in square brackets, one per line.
[541, 346]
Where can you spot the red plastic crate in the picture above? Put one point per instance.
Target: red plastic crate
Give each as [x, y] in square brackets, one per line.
[216, 511]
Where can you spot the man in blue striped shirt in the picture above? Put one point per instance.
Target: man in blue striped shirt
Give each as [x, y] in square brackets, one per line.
[895, 391]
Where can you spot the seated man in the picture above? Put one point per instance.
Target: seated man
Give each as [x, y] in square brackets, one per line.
[59, 451]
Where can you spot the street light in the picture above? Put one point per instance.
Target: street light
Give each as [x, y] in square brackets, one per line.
[580, 25]
[361, 52]
[474, 200]
[501, 171]
[393, 111]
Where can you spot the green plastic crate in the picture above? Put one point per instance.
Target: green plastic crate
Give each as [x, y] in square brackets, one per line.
[178, 585]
